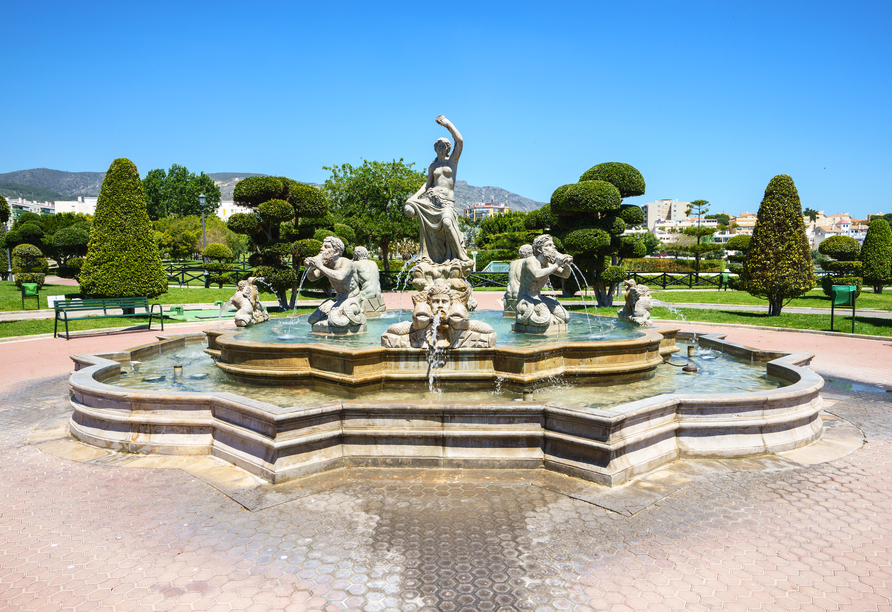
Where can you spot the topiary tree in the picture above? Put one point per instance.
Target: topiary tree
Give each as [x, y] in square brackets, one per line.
[122, 259]
[589, 219]
[876, 255]
[4, 217]
[29, 265]
[845, 268]
[219, 268]
[778, 263]
[738, 244]
[281, 204]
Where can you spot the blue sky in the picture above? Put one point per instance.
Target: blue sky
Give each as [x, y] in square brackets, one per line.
[708, 100]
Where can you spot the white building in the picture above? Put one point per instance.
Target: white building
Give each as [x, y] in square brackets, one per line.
[85, 205]
[664, 210]
[227, 208]
[19, 206]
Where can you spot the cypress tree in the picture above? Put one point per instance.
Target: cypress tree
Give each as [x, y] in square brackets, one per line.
[876, 255]
[122, 259]
[778, 263]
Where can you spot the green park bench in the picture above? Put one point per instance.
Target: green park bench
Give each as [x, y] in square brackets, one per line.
[98, 308]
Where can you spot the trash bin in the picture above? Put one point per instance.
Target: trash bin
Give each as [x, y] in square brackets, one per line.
[30, 290]
[843, 295]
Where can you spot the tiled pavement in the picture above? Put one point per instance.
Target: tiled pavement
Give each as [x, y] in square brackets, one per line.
[737, 536]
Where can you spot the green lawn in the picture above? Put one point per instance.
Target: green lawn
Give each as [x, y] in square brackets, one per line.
[813, 299]
[842, 323]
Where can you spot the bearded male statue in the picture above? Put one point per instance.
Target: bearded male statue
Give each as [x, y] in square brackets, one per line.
[343, 314]
[537, 313]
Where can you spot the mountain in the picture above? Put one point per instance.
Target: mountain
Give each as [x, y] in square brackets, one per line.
[27, 192]
[467, 195]
[71, 184]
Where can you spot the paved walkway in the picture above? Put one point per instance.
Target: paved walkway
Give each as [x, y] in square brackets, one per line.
[85, 533]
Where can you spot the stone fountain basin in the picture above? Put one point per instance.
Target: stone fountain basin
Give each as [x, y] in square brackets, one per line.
[518, 369]
[606, 446]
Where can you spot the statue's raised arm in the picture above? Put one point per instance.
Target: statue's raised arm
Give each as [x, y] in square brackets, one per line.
[456, 136]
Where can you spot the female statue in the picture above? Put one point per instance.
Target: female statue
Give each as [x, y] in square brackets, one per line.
[434, 203]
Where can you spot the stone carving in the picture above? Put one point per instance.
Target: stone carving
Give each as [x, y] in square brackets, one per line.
[369, 280]
[433, 205]
[250, 310]
[638, 304]
[536, 313]
[509, 300]
[343, 314]
[440, 319]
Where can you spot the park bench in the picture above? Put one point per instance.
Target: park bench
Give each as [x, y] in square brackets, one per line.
[98, 308]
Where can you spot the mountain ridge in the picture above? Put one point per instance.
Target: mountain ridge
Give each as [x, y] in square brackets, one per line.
[73, 184]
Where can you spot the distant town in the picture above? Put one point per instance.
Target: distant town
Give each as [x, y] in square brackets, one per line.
[664, 218]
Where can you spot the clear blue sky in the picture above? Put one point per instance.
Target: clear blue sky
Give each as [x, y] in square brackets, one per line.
[708, 100]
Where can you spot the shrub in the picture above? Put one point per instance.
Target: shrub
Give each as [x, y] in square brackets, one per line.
[29, 265]
[71, 268]
[589, 217]
[828, 281]
[778, 262]
[845, 267]
[218, 251]
[122, 258]
[625, 178]
[876, 255]
[220, 269]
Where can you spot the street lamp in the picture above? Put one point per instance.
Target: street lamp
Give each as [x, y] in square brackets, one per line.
[201, 202]
[204, 241]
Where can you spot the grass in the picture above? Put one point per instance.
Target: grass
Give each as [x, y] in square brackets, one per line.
[818, 322]
[10, 329]
[813, 299]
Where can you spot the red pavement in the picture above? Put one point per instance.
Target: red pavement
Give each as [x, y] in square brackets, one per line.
[867, 361]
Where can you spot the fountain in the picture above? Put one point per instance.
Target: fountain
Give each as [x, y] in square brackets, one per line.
[425, 396]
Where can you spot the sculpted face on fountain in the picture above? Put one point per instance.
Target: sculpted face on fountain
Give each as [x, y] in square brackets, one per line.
[454, 327]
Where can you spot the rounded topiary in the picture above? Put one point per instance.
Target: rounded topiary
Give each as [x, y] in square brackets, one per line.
[842, 266]
[842, 248]
[588, 197]
[828, 281]
[308, 201]
[31, 233]
[738, 242]
[558, 195]
[612, 225]
[276, 211]
[27, 258]
[345, 233]
[307, 248]
[244, 223]
[216, 250]
[72, 267]
[280, 279]
[876, 255]
[624, 177]
[255, 190]
[629, 247]
[71, 237]
[586, 239]
[122, 258]
[631, 214]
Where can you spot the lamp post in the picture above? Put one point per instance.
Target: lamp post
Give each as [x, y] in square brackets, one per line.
[8, 264]
[202, 200]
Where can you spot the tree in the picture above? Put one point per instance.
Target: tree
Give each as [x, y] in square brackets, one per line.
[122, 260]
[701, 235]
[588, 220]
[876, 255]
[722, 218]
[845, 267]
[181, 236]
[652, 244]
[278, 229]
[175, 192]
[29, 265]
[778, 263]
[4, 217]
[811, 213]
[219, 268]
[369, 198]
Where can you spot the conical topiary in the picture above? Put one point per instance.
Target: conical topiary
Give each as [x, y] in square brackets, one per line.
[122, 259]
[778, 262]
[876, 255]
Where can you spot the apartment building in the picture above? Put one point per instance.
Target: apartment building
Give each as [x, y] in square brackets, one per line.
[476, 212]
[663, 210]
